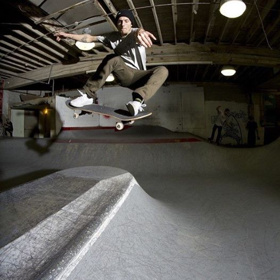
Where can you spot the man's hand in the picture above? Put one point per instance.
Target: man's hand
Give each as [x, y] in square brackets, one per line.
[144, 38]
[60, 34]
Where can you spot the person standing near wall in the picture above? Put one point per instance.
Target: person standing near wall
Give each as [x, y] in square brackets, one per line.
[218, 125]
[9, 127]
[2, 129]
[253, 132]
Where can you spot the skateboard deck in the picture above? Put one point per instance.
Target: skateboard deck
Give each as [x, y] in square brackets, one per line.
[122, 116]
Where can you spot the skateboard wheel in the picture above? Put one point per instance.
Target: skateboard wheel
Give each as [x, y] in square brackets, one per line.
[119, 125]
[76, 115]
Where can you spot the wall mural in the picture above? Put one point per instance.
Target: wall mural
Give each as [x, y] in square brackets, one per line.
[233, 128]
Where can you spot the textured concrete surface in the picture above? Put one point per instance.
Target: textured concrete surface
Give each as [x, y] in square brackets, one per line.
[199, 211]
[45, 224]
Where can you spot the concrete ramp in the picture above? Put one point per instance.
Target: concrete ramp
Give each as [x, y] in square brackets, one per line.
[67, 212]
[143, 241]
[198, 211]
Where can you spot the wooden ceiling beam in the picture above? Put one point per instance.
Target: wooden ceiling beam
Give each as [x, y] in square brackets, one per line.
[21, 67]
[223, 32]
[28, 50]
[54, 54]
[21, 57]
[211, 20]
[20, 61]
[105, 15]
[50, 42]
[35, 14]
[174, 19]
[242, 24]
[61, 12]
[160, 55]
[51, 72]
[261, 16]
[193, 14]
[268, 31]
[156, 22]
[134, 10]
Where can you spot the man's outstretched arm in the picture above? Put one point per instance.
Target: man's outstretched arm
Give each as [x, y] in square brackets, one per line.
[86, 38]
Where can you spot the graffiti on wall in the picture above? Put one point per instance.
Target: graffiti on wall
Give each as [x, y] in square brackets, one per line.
[232, 132]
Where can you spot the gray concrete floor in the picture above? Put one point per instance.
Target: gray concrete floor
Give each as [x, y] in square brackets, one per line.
[198, 211]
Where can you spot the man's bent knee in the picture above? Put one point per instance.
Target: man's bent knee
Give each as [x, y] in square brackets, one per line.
[162, 72]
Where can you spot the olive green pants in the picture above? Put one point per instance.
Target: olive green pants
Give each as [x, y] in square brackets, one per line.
[144, 82]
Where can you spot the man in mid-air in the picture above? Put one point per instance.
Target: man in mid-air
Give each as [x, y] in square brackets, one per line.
[128, 64]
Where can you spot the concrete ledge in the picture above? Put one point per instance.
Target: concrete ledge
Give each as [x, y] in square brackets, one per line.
[79, 204]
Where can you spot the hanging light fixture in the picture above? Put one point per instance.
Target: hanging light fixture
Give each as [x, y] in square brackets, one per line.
[228, 71]
[84, 46]
[232, 8]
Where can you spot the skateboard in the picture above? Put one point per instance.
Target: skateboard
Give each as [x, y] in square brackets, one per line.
[122, 116]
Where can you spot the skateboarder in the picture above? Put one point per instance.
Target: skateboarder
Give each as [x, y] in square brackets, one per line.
[221, 118]
[128, 64]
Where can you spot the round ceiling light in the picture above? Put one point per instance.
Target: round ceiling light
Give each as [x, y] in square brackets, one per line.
[228, 71]
[232, 8]
[84, 46]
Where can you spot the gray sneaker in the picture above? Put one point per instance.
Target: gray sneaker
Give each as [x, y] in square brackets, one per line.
[134, 107]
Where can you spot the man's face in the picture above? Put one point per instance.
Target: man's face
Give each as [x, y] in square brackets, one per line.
[124, 25]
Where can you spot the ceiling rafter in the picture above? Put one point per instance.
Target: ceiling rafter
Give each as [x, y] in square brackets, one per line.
[181, 53]
[263, 15]
[21, 57]
[26, 54]
[30, 50]
[20, 60]
[242, 24]
[174, 19]
[156, 21]
[269, 30]
[105, 15]
[14, 68]
[135, 13]
[21, 66]
[193, 14]
[111, 7]
[223, 31]
[42, 35]
[211, 38]
[211, 20]
[55, 54]
[34, 13]
[60, 12]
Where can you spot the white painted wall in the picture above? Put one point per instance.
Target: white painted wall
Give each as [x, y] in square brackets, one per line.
[176, 107]
[17, 118]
